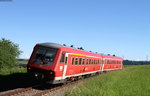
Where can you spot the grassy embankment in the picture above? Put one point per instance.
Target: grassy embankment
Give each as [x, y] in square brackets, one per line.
[19, 69]
[16, 77]
[131, 81]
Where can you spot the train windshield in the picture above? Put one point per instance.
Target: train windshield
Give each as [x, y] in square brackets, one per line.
[45, 55]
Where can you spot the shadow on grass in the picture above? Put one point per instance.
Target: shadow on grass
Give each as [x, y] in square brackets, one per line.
[16, 80]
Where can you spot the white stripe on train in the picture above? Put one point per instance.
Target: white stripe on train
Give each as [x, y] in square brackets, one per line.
[63, 77]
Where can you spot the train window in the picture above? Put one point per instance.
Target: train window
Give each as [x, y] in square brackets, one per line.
[108, 62]
[117, 62]
[97, 61]
[66, 59]
[87, 61]
[80, 61]
[45, 55]
[62, 58]
[91, 61]
[72, 60]
[76, 61]
[113, 62]
[83, 60]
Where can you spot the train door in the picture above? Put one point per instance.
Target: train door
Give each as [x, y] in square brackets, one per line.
[103, 64]
[65, 66]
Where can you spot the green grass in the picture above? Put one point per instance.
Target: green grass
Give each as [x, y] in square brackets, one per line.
[13, 78]
[22, 63]
[131, 81]
[8, 71]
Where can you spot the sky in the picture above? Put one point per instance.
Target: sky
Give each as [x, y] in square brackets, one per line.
[120, 27]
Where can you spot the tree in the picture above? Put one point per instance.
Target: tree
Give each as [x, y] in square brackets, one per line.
[8, 53]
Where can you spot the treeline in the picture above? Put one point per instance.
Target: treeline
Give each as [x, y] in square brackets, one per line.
[130, 62]
[9, 53]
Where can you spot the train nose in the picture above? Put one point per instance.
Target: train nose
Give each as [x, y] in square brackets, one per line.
[39, 76]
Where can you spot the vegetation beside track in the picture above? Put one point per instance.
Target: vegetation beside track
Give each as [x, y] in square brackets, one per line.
[8, 71]
[131, 81]
[16, 77]
[21, 68]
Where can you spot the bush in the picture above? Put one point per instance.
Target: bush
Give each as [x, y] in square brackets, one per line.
[8, 53]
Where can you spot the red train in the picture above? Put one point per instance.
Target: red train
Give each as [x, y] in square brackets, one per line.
[58, 64]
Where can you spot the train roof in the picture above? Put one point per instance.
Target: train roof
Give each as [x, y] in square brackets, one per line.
[55, 45]
[52, 45]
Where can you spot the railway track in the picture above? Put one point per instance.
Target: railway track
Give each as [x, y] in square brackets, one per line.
[45, 89]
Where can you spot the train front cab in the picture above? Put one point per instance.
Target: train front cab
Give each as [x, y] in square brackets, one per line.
[43, 61]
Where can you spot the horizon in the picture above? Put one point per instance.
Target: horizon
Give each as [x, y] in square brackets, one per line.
[103, 26]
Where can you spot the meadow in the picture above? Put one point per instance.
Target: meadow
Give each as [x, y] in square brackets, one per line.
[133, 80]
[15, 77]
[21, 68]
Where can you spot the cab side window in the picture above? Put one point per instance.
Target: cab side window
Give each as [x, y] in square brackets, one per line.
[62, 60]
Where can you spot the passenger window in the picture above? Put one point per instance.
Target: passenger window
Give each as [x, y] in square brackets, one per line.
[87, 61]
[90, 61]
[119, 62]
[76, 61]
[107, 61]
[97, 61]
[80, 61]
[72, 60]
[83, 60]
[111, 62]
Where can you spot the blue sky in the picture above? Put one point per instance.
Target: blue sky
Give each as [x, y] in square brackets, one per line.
[120, 27]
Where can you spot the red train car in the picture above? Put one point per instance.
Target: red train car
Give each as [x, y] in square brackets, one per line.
[58, 64]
